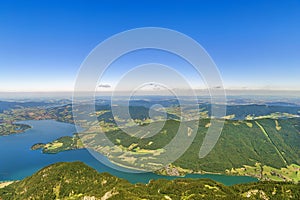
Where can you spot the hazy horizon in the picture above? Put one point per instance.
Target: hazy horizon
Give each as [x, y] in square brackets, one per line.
[203, 93]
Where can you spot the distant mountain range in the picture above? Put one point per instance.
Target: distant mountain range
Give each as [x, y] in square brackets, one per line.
[8, 105]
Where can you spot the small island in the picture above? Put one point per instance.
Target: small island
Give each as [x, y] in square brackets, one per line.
[61, 144]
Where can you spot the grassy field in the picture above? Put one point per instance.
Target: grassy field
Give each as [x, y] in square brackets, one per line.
[290, 173]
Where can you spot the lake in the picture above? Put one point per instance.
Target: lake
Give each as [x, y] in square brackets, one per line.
[19, 161]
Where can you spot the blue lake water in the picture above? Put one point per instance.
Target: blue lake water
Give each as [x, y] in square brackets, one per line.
[18, 161]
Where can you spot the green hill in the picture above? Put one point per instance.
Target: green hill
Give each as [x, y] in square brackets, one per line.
[78, 181]
[267, 142]
[267, 149]
[246, 143]
[62, 180]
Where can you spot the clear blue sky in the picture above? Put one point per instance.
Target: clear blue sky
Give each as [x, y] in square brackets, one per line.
[255, 44]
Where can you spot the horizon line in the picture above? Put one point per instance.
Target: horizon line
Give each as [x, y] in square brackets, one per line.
[70, 91]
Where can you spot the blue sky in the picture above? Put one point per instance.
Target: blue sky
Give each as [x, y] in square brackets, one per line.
[255, 44]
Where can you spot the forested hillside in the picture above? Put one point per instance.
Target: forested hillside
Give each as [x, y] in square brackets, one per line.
[79, 181]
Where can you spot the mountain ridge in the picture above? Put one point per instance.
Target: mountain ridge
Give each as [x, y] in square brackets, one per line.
[75, 180]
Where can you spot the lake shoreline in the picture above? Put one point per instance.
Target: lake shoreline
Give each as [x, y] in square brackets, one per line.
[45, 131]
[3, 184]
